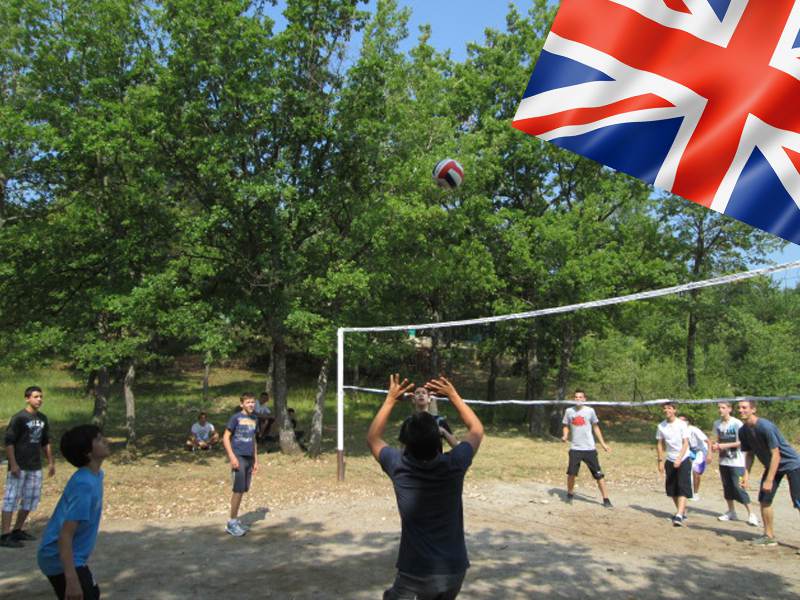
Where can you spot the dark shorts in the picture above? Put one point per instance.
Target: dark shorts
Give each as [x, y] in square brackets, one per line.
[90, 589]
[432, 587]
[679, 481]
[242, 477]
[766, 498]
[731, 485]
[576, 457]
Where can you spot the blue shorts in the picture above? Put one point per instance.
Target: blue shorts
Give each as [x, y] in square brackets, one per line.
[765, 498]
[242, 477]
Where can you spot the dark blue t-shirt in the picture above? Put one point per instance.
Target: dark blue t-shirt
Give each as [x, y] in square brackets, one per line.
[762, 438]
[431, 511]
[243, 433]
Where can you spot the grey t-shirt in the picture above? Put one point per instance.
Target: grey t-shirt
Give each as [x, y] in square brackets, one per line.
[762, 438]
[580, 422]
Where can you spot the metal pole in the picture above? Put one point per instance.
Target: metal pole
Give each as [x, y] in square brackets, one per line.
[340, 404]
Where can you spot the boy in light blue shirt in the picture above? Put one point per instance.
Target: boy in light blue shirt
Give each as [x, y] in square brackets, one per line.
[71, 533]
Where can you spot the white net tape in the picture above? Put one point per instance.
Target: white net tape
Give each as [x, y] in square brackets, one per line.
[595, 403]
[695, 285]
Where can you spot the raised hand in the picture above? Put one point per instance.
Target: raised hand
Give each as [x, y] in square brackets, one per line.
[397, 388]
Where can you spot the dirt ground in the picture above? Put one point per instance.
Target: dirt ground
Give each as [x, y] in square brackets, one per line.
[314, 538]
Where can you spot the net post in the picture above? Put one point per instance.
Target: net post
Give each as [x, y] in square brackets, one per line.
[340, 404]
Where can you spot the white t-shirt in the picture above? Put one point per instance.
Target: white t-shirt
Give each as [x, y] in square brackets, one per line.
[262, 410]
[580, 422]
[728, 433]
[202, 432]
[698, 441]
[673, 435]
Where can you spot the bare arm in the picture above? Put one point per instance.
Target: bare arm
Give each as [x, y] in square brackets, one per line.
[13, 467]
[51, 465]
[73, 589]
[661, 452]
[774, 462]
[682, 455]
[599, 435]
[226, 442]
[473, 424]
[565, 434]
[451, 439]
[378, 426]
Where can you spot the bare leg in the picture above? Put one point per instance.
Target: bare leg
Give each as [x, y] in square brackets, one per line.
[767, 515]
[21, 516]
[696, 477]
[570, 483]
[236, 500]
[7, 522]
[601, 483]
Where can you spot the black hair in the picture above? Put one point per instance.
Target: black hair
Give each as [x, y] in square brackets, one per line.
[29, 390]
[420, 434]
[753, 403]
[76, 444]
[202, 413]
[672, 404]
[264, 394]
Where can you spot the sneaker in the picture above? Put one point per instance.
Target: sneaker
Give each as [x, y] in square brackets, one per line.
[728, 516]
[235, 529]
[753, 520]
[677, 521]
[695, 498]
[8, 542]
[765, 542]
[570, 497]
[22, 536]
[243, 526]
[607, 503]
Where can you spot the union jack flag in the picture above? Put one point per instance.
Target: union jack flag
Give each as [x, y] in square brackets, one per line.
[699, 97]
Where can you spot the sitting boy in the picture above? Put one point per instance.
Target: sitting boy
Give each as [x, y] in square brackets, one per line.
[202, 436]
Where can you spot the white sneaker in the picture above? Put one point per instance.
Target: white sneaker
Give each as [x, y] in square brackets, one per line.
[753, 520]
[235, 529]
[695, 498]
[728, 516]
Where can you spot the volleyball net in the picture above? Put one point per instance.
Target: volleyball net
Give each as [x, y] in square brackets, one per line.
[478, 334]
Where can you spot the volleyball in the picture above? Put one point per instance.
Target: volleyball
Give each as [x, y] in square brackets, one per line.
[448, 173]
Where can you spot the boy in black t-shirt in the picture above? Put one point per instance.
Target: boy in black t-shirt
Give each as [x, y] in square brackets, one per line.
[428, 486]
[239, 440]
[27, 434]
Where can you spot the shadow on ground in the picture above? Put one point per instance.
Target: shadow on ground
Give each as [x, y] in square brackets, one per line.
[299, 560]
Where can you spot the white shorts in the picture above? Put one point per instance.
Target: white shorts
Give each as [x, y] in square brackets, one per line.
[22, 492]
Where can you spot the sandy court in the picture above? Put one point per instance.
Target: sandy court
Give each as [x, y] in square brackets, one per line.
[524, 542]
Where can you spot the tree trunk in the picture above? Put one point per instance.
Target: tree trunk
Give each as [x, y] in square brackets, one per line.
[691, 341]
[491, 385]
[287, 439]
[100, 392]
[269, 382]
[130, 404]
[315, 442]
[206, 375]
[564, 365]
[534, 386]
